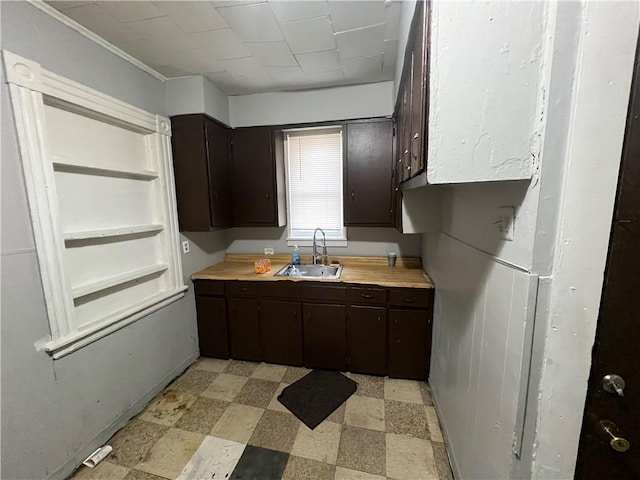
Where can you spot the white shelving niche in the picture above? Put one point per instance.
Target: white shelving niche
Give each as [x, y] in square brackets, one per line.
[101, 192]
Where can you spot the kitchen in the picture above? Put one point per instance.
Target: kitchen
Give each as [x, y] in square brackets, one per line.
[61, 410]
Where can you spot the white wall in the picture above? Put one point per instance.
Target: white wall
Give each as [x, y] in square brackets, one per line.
[406, 15]
[337, 103]
[196, 94]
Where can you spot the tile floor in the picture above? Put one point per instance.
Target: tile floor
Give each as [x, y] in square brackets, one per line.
[221, 420]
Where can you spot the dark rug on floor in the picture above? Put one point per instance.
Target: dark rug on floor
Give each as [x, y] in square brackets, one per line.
[316, 395]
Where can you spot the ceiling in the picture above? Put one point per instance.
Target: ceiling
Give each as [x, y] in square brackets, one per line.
[252, 46]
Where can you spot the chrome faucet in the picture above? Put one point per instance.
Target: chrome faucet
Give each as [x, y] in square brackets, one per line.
[320, 258]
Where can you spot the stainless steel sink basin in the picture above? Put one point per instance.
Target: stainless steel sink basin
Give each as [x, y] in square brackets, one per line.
[310, 271]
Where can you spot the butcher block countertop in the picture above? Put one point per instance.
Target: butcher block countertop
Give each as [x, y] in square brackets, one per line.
[407, 273]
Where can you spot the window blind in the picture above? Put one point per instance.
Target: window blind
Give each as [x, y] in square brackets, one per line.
[314, 181]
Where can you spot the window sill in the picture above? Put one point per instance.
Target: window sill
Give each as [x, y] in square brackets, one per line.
[69, 344]
[308, 242]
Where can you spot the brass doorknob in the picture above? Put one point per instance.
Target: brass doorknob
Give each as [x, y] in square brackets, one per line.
[609, 431]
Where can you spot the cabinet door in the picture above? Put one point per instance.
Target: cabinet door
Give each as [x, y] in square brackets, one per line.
[191, 173]
[406, 123]
[409, 343]
[254, 192]
[416, 147]
[367, 337]
[325, 336]
[219, 155]
[369, 182]
[212, 326]
[244, 329]
[281, 331]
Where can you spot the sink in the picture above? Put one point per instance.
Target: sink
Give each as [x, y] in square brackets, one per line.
[310, 271]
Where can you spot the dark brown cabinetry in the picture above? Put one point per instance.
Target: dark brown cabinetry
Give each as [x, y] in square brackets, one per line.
[368, 199]
[281, 331]
[412, 103]
[325, 336]
[244, 329]
[202, 168]
[361, 328]
[257, 200]
[367, 336]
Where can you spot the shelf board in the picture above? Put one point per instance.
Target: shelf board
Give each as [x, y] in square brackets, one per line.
[64, 166]
[97, 286]
[112, 232]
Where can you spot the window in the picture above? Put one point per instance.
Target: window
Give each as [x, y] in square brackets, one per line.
[314, 184]
[100, 188]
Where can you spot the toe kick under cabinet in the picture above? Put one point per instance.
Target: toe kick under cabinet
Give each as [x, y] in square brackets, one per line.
[359, 328]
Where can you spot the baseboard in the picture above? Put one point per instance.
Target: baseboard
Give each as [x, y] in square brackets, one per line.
[445, 436]
[74, 462]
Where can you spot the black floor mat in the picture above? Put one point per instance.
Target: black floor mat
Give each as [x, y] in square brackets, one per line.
[315, 396]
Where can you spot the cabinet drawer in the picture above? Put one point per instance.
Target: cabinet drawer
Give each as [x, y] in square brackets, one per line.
[377, 296]
[280, 289]
[328, 293]
[410, 297]
[209, 287]
[242, 289]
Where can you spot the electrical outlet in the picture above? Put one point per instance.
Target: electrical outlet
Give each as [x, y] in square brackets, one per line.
[269, 251]
[506, 222]
[185, 246]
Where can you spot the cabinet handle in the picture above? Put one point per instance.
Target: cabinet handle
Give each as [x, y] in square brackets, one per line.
[395, 322]
[268, 196]
[215, 195]
[243, 289]
[353, 196]
[379, 318]
[413, 143]
[366, 295]
[408, 300]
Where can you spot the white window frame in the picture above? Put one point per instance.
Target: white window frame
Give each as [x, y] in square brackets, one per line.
[29, 84]
[308, 241]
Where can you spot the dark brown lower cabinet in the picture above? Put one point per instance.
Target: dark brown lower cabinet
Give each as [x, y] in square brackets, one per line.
[367, 336]
[409, 343]
[244, 329]
[212, 326]
[325, 336]
[281, 332]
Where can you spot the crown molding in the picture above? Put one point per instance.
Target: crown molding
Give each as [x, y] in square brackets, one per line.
[61, 17]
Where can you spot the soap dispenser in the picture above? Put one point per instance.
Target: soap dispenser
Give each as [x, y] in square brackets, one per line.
[295, 258]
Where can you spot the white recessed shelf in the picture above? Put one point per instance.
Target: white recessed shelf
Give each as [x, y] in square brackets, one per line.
[70, 167]
[104, 283]
[112, 232]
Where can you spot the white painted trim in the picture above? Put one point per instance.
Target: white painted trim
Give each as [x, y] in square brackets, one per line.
[61, 17]
[64, 166]
[66, 345]
[112, 232]
[108, 282]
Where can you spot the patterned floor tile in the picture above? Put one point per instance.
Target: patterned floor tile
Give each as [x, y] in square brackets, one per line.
[402, 390]
[348, 474]
[194, 381]
[293, 374]
[305, 469]
[434, 425]
[239, 367]
[337, 416]
[260, 463]
[216, 458]
[442, 461]
[212, 364]
[225, 387]
[425, 391]
[368, 385]
[132, 444]
[171, 453]
[406, 419]
[365, 412]
[103, 471]
[237, 423]
[257, 393]
[168, 408]
[202, 415]
[138, 475]
[409, 458]
[320, 444]
[274, 404]
[363, 450]
[275, 431]
[267, 371]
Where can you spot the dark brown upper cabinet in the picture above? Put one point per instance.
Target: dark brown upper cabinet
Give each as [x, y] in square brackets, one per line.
[412, 107]
[368, 196]
[202, 168]
[258, 177]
